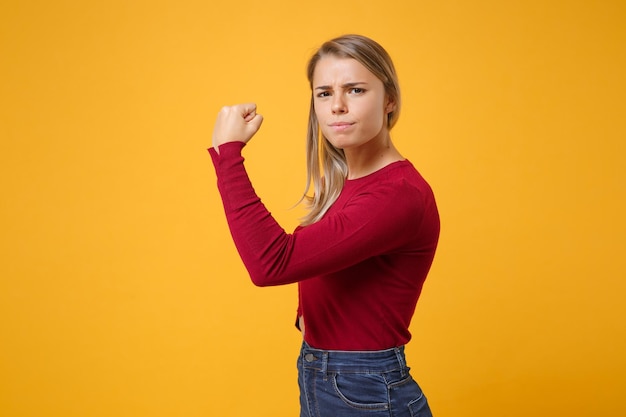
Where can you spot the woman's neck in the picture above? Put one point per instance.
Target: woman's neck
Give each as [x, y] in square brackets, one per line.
[371, 157]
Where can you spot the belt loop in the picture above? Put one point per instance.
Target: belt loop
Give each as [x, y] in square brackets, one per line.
[401, 361]
[325, 364]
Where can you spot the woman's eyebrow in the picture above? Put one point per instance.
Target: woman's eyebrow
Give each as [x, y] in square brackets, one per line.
[346, 85]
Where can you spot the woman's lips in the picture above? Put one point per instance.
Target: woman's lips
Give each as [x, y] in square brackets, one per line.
[340, 126]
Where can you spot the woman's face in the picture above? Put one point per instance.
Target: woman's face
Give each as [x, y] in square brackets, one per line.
[350, 103]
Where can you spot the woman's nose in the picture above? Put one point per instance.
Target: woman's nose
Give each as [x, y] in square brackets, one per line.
[339, 105]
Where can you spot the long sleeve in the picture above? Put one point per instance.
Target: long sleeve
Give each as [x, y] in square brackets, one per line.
[369, 223]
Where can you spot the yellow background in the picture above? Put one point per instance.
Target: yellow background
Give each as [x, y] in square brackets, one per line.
[121, 293]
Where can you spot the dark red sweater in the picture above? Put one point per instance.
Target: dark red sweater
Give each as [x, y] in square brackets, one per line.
[360, 269]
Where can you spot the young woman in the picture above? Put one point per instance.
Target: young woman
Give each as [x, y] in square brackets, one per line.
[361, 254]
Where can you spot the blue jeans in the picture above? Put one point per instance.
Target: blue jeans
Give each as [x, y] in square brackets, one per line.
[354, 384]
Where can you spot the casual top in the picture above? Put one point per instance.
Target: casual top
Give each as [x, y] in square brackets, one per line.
[360, 269]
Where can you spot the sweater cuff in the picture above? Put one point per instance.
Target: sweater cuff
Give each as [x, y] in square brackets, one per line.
[227, 150]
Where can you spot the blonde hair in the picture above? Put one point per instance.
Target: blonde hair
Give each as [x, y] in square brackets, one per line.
[326, 165]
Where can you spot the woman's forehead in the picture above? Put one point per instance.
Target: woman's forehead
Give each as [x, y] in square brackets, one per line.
[335, 70]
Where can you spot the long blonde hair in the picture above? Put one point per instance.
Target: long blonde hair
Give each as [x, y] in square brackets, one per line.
[327, 168]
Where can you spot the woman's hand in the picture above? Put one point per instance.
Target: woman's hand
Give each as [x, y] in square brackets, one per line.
[236, 123]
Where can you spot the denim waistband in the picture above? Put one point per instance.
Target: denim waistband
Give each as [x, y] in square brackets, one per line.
[354, 361]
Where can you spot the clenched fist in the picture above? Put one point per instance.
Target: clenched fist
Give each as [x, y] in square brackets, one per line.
[236, 123]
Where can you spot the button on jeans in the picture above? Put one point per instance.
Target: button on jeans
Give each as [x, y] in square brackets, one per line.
[354, 384]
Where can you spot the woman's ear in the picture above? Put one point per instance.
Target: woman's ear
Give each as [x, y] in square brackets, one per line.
[391, 105]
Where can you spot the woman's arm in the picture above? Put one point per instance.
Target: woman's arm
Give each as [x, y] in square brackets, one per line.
[373, 222]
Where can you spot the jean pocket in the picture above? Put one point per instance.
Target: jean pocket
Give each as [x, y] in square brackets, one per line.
[362, 391]
[420, 407]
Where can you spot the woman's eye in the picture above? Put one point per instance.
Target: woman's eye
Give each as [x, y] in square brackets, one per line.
[357, 90]
[324, 94]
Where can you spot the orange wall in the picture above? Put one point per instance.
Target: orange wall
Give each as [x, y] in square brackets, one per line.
[121, 293]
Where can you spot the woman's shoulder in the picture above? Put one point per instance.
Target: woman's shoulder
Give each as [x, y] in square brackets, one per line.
[397, 175]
